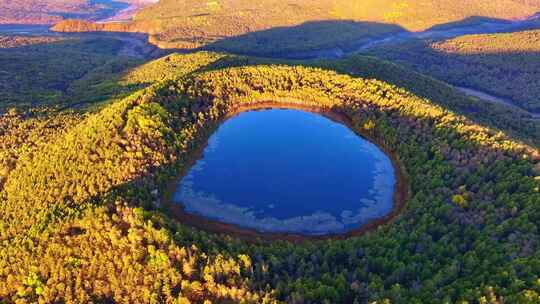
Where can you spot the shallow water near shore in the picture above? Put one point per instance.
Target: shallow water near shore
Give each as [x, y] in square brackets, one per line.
[289, 171]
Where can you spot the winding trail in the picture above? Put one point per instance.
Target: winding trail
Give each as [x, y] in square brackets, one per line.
[494, 99]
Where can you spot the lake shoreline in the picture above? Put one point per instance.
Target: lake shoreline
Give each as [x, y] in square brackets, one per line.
[177, 211]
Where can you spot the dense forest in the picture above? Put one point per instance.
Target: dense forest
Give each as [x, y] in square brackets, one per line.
[305, 24]
[503, 64]
[83, 220]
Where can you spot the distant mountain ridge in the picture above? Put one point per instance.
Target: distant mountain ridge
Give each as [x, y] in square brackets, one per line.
[53, 11]
[192, 24]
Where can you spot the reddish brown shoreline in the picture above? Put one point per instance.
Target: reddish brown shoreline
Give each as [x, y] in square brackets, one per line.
[177, 210]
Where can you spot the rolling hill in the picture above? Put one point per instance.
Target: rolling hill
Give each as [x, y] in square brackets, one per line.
[55, 70]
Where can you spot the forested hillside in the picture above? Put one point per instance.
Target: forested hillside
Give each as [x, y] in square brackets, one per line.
[307, 24]
[502, 64]
[52, 70]
[83, 215]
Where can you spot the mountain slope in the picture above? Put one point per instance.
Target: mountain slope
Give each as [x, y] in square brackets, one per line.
[503, 64]
[191, 24]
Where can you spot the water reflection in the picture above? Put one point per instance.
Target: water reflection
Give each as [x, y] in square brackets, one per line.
[289, 171]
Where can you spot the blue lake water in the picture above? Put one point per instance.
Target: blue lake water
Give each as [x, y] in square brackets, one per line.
[289, 171]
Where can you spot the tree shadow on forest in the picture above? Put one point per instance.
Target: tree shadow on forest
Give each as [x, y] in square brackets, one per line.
[314, 39]
[336, 38]
[42, 69]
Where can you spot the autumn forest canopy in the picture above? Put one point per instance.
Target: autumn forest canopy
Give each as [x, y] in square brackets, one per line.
[97, 119]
